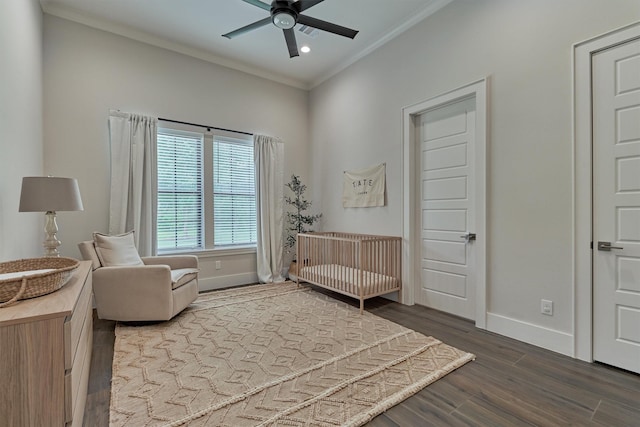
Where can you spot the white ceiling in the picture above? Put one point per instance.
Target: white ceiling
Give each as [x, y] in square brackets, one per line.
[195, 27]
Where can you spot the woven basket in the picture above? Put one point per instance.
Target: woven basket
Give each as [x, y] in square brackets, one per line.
[12, 290]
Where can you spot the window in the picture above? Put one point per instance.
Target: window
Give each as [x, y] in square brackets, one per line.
[206, 191]
[234, 197]
[180, 197]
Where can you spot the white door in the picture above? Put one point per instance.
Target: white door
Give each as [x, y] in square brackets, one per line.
[446, 163]
[616, 206]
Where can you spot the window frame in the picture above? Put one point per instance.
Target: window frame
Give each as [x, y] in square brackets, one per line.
[208, 137]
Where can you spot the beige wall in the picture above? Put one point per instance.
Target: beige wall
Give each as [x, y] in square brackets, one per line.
[525, 48]
[21, 234]
[354, 120]
[89, 71]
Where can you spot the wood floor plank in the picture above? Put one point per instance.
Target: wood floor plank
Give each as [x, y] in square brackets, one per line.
[382, 421]
[585, 378]
[430, 414]
[96, 411]
[464, 380]
[444, 396]
[102, 357]
[483, 414]
[403, 416]
[510, 383]
[616, 376]
[616, 414]
[521, 408]
[552, 394]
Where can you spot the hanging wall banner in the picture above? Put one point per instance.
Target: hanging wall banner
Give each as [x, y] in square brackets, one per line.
[364, 188]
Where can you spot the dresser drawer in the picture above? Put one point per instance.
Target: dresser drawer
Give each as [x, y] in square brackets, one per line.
[76, 379]
[73, 327]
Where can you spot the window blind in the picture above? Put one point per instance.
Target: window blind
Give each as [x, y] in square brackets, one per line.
[180, 196]
[234, 199]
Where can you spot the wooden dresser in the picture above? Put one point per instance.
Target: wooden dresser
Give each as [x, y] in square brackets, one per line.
[45, 355]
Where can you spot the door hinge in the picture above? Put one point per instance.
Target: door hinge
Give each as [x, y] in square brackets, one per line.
[591, 245]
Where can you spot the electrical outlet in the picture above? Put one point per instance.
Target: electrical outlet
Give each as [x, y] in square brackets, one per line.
[218, 265]
[546, 307]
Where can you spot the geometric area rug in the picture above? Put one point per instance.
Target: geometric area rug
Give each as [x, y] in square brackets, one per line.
[270, 355]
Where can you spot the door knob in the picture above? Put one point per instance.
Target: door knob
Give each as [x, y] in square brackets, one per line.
[606, 246]
[468, 236]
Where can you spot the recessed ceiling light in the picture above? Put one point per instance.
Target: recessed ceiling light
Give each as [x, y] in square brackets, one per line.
[305, 49]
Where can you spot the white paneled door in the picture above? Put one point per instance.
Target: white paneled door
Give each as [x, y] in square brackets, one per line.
[616, 206]
[445, 155]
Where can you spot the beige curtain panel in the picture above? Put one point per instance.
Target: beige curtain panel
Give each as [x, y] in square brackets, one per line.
[132, 139]
[269, 167]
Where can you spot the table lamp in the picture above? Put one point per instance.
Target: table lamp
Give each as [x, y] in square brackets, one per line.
[50, 194]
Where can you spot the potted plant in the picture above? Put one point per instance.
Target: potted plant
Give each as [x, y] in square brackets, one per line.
[298, 220]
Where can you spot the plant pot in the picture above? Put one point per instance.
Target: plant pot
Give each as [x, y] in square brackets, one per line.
[293, 271]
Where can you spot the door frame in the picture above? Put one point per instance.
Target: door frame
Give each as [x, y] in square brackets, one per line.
[583, 185]
[410, 122]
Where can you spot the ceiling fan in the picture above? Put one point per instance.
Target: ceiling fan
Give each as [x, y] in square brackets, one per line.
[285, 14]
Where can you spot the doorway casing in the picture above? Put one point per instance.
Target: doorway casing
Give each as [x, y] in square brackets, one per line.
[583, 186]
[410, 120]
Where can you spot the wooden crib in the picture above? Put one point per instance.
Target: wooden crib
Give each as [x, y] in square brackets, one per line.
[358, 265]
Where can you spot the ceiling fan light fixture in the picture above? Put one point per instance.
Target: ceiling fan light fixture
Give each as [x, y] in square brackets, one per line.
[284, 18]
[305, 49]
[286, 14]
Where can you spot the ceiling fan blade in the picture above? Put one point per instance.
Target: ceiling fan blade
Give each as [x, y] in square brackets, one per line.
[326, 26]
[290, 37]
[259, 4]
[247, 28]
[302, 5]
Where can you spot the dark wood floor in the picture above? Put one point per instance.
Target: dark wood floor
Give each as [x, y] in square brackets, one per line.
[509, 384]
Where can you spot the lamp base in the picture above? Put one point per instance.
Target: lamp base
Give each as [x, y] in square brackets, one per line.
[51, 243]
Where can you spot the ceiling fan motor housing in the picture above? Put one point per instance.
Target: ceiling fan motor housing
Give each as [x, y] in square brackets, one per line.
[283, 15]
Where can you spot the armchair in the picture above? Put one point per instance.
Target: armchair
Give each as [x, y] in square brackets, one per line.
[157, 290]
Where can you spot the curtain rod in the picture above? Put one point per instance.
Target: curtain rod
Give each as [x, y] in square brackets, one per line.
[205, 126]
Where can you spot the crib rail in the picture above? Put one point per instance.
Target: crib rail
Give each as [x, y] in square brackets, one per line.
[358, 265]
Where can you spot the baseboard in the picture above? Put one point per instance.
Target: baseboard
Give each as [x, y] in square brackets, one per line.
[221, 282]
[551, 339]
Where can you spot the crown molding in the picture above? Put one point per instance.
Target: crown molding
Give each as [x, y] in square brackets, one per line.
[141, 36]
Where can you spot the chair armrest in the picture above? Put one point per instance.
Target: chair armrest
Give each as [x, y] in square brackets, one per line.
[133, 293]
[155, 274]
[173, 261]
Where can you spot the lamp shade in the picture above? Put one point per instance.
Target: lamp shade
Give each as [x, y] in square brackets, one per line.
[48, 193]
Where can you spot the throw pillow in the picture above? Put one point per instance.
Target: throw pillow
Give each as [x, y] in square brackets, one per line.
[117, 250]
